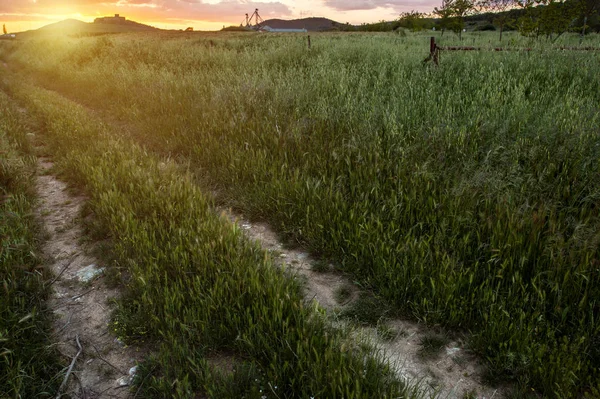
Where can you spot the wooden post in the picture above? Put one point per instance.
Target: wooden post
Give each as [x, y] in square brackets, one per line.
[309, 42]
[434, 52]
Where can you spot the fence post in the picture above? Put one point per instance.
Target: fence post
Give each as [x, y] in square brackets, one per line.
[309, 42]
[434, 52]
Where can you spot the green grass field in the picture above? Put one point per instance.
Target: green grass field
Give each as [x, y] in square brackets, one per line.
[194, 288]
[29, 365]
[465, 195]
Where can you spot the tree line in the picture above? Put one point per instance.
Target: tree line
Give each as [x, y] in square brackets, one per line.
[532, 18]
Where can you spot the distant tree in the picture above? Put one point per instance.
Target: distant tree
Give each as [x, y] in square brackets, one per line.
[588, 9]
[557, 17]
[551, 18]
[413, 20]
[452, 14]
[445, 13]
[528, 23]
[381, 26]
[500, 7]
[460, 9]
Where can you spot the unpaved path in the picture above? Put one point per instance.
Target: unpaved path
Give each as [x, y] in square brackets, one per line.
[454, 373]
[84, 309]
[81, 300]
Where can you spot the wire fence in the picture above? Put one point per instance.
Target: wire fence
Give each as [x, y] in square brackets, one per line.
[435, 49]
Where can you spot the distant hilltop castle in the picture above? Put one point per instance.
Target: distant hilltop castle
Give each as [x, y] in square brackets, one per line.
[119, 24]
[117, 19]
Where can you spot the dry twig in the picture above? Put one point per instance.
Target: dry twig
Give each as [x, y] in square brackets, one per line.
[64, 383]
[85, 293]
[60, 274]
[106, 361]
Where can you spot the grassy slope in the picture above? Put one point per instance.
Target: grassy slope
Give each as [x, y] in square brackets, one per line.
[196, 287]
[466, 195]
[28, 366]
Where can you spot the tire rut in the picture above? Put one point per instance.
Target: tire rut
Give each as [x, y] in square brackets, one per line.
[453, 372]
[82, 300]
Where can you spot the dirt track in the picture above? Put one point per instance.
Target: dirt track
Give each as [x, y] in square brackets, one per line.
[453, 373]
[81, 300]
[101, 370]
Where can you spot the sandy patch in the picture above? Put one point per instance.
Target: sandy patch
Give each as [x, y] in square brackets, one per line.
[82, 301]
[454, 372]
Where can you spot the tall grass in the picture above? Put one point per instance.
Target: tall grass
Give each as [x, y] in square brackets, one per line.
[195, 287]
[465, 194]
[29, 367]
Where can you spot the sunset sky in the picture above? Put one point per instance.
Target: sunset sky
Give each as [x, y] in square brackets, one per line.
[19, 15]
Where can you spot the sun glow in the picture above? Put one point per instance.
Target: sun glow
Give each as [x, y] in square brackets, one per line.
[21, 23]
[25, 22]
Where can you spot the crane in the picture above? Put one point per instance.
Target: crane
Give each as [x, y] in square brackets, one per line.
[257, 20]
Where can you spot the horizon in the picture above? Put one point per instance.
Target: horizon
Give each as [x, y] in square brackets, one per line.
[23, 15]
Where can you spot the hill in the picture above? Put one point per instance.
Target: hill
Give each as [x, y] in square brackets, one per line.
[310, 24]
[98, 27]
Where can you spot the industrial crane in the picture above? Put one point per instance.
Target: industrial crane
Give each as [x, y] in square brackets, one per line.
[257, 20]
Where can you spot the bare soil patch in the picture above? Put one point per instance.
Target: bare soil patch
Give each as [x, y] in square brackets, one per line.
[450, 371]
[82, 301]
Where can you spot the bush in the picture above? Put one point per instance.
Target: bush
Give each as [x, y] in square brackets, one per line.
[486, 27]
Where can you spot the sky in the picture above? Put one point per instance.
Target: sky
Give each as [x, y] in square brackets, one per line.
[20, 15]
